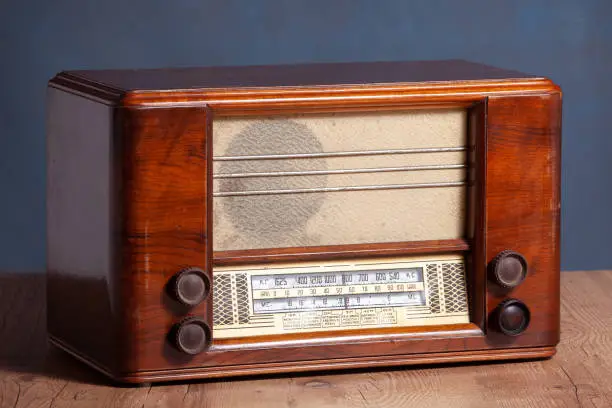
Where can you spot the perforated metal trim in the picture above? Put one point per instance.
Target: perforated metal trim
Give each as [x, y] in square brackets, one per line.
[433, 287]
[242, 291]
[222, 306]
[455, 295]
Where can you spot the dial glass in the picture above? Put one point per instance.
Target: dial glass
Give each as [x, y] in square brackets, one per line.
[400, 292]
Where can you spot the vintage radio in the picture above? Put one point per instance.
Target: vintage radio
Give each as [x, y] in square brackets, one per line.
[209, 222]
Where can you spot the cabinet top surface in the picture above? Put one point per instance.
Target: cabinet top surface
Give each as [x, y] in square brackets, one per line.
[297, 75]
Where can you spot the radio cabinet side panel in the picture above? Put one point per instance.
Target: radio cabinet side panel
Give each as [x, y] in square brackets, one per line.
[523, 205]
[82, 303]
[166, 227]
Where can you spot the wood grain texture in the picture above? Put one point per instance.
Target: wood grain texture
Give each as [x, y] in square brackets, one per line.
[523, 201]
[35, 375]
[167, 208]
[298, 88]
[331, 252]
[476, 263]
[291, 75]
[164, 211]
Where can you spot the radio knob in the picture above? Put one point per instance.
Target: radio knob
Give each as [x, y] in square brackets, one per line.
[191, 336]
[509, 269]
[512, 317]
[190, 286]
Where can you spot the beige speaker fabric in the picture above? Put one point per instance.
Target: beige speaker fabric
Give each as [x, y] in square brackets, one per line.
[338, 217]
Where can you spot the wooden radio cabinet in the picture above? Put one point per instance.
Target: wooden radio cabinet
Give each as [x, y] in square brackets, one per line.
[222, 221]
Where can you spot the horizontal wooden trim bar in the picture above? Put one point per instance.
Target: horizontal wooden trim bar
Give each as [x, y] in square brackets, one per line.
[330, 252]
[361, 335]
[468, 356]
[364, 93]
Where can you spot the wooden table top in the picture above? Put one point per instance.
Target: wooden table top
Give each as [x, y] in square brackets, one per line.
[33, 374]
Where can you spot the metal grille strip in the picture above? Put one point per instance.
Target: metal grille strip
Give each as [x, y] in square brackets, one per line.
[432, 283]
[222, 305]
[340, 154]
[340, 171]
[455, 295]
[337, 189]
[242, 291]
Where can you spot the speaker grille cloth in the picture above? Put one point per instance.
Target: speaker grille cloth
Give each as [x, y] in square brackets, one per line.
[364, 152]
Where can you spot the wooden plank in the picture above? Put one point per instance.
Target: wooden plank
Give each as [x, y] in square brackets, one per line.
[19, 390]
[540, 384]
[578, 376]
[585, 351]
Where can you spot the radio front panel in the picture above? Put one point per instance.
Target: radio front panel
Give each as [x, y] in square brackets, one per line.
[339, 178]
[259, 300]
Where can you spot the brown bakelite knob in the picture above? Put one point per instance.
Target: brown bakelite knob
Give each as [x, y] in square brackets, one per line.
[509, 269]
[191, 336]
[512, 317]
[190, 286]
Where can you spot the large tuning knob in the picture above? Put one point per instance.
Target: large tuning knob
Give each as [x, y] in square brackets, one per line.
[508, 269]
[191, 336]
[512, 317]
[190, 286]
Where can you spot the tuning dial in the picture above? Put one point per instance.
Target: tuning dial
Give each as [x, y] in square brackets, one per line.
[190, 286]
[191, 336]
[509, 269]
[512, 317]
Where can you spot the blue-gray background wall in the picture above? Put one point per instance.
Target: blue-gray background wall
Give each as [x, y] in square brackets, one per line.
[568, 40]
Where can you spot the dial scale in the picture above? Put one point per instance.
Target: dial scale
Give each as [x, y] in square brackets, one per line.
[340, 295]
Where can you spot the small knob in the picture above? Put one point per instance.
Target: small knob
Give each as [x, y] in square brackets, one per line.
[191, 336]
[509, 269]
[190, 286]
[512, 317]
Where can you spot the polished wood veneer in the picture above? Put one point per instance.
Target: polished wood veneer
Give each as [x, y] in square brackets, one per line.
[130, 205]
